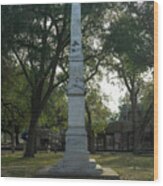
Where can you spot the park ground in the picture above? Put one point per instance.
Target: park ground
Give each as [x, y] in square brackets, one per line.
[127, 165]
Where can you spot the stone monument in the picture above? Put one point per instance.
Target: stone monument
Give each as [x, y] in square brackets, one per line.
[76, 158]
[76, 162]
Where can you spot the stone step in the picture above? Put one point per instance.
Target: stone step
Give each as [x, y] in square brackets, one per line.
[51, 172]
[92, 164]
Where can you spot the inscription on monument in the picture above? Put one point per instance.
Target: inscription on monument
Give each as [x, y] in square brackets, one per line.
[76, 83]
[75, 48]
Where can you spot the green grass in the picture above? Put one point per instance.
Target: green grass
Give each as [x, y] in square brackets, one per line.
[14, 165]
[127, 165]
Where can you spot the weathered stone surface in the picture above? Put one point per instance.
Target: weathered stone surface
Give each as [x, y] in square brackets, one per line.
[76, 45]
[76, 158]
[54, 172]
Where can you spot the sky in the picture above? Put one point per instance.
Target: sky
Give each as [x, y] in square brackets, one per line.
[117, 90]
[114, 92]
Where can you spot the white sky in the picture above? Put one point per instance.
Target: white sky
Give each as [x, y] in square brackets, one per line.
[117, 90]
[113, 91]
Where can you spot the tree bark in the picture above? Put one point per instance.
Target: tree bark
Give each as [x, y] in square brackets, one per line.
[136, 145]
[91, 137]
[30, 145]
[17, 135]
[146, 119]
[13, 138]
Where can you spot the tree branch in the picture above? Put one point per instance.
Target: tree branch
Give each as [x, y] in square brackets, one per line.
[49, 91]
[23, 68]
[94, 72]
[126, 81]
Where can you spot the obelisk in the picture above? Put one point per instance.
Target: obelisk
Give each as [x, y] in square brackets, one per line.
[76, 136]
[76, 157]
[76, 160]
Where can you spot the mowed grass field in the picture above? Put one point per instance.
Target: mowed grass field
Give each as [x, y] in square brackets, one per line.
[127, 165]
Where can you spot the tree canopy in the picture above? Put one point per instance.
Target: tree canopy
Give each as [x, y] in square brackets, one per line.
[116, 37]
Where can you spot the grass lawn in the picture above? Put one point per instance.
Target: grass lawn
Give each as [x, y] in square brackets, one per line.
[127, 165]
[14, 165]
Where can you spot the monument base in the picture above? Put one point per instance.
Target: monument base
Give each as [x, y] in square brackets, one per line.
[89, 171]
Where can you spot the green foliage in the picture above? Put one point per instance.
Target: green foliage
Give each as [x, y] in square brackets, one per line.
[15, 102]
[147, 94]
[114, 116]
[35, 48]
[98, 111]
[36, 37]
[132, 34]
[54, 115]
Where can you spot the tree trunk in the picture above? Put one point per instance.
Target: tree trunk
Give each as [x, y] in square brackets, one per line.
[92, 142]
[13, 143]
[145, 122]
[35, 150]
[13, 138]
[5, 138]
[17, 135]
[31, 142]
[17, 138]
[136, 144]
[91, 137]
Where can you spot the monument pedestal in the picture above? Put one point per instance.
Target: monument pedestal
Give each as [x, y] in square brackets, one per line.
[76, 162]
[90, 171]
[72, 169]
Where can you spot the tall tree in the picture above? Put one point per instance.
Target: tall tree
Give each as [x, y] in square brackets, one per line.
[54, 114]
[14, 99]
[130, 40]
[97, 114]
[38, 36]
